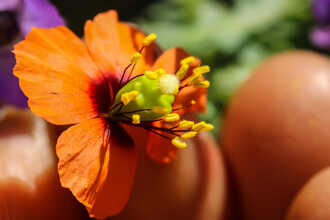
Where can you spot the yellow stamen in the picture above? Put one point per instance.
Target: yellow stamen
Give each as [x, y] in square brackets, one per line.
[160, 72]
[188, 60]
[202, 126]
[172, 117]
[201, 84]
[135, 57]
[195, 77]
[189, 134]
[176, 90]
[151, 74]
[198, 126]
[182, 71]
[207, 127]
[178, 142]
[201, 69]
[160, 110]
[149, 39]
[127, 97]
[186, 124]
[193, 102]
[136, 119]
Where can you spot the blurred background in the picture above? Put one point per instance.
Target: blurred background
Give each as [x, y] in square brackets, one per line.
[232, 36]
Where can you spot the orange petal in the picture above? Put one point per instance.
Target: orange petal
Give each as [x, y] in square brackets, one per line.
[131, 41]
[55, 72]
[84, 155]
[170, 60]
[190, 93]
[99, 169]
[113, 43]
[117, 188]
[160, 149]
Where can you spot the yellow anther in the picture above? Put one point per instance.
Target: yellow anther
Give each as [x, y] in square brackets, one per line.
[199, 126]
[202, 126]
[136, 119]
[160, 110]
[127, 97]
[195, 77]
[189, 134]
[135, 57]
[176, 90]
[160, 72]
[186, 124]
[149, 39]
[179, 143]
[207, 127]
[193, 102]
[188, 60]
[151, 74]
[201, 69]
[182, 71]
[202, 84]
[172, 117]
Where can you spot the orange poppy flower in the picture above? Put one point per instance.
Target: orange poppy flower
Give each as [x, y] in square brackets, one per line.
[112, 79]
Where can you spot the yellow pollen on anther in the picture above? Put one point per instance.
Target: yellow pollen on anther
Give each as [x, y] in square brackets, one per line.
[207, 127]
[181, 73]
[136, 119]
[186, 124]
[198, 126]
[178, 142]
[149, 39]
[160, 72]
[202, 126]
[202, 84]
[127, 97]
[160, 110]
[176, 90]
[172, 117]
[201, 69]
[193, 102]
[188, 60]
[135, 57]
[151, 74]
[195, 77]
[189, 134]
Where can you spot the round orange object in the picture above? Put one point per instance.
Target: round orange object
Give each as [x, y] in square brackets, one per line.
[29, 185]
[276, 133]
[312, 202]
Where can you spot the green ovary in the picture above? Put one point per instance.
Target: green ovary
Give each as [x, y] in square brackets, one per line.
[149, 96]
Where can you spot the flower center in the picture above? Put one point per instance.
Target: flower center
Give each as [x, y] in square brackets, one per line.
[149, 97]
[142, 95]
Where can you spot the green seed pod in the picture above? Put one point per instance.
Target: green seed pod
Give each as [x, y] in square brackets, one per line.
[150, 96]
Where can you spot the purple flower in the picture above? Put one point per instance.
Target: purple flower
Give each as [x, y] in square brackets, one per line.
[321, 10]
[320, 35]
[17, 17]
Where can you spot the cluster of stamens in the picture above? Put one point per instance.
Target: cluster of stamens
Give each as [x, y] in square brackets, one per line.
[149, 97]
